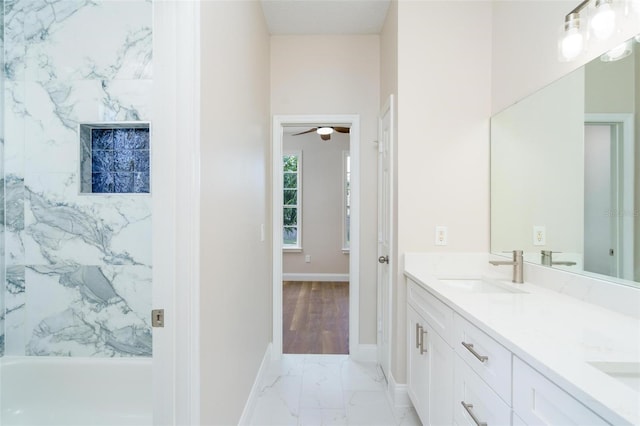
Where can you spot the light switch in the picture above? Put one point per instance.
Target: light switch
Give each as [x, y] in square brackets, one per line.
[307, 258]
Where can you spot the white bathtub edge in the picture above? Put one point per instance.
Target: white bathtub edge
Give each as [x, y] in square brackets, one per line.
[12, 359]
[250, 406]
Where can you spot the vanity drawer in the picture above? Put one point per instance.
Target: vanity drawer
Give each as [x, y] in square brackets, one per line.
[485, 356]
[538, 401]
[437, 314]
[480, 400]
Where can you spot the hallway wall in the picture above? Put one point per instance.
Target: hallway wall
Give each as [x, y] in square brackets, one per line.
[444, 104]
[235, 274]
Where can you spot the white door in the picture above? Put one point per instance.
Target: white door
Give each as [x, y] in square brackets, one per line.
[385, 221]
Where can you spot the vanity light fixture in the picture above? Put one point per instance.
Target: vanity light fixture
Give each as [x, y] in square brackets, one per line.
[324, 130]
[572, 43]
[602, 24]
[619, 52]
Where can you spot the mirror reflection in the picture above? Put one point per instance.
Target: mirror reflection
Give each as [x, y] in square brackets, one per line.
[564, 183]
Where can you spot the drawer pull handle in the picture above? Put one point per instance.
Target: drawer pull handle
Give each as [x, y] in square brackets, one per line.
[422, 349]
[418, 334]
[469, 347]
[469, 408]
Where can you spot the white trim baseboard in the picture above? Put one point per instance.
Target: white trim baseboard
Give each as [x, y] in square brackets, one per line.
[365, 353]
[316, 277]
[250, 406]
[398, 393]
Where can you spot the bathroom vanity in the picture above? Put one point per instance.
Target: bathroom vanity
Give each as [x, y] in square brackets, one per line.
[485, 351]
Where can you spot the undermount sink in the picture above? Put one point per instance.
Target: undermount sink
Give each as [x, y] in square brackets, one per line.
[627, 373]
[480, 285]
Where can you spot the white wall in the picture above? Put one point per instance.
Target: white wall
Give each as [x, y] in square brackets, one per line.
[525, 55]
[444, 104]
[235, 270]
[338, 75]
[322, 211]
[637, 160]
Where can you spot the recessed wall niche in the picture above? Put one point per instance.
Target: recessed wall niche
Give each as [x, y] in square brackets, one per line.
[114, 158]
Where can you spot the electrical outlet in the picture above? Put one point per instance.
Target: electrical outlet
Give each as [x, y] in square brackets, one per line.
[539, 235]
[441, 235]
[307, 258]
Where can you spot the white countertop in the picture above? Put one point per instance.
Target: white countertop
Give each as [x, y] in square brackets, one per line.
[556, 334]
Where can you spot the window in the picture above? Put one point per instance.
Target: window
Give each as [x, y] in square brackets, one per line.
[346, 200]
[292, 200]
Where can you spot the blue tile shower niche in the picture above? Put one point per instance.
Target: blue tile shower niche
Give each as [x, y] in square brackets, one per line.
[114, 158]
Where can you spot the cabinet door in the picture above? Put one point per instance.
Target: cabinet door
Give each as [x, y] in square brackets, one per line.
[538, 401]
[430, 372]
[475, 401]
[417, 365]
[440, 377]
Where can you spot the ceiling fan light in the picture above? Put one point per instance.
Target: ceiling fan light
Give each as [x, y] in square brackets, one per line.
[325, 130]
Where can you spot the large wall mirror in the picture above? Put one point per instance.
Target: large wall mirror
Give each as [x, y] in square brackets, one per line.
[565, 184]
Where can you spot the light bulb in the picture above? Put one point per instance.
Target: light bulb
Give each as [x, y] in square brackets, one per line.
[603, 22]
[324, 130]
[619, 52]
[572, 43]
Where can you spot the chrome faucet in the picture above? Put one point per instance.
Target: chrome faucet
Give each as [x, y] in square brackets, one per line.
[517, 263]
[546, 258]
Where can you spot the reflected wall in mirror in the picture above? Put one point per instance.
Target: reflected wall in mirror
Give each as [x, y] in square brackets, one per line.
[564, 181]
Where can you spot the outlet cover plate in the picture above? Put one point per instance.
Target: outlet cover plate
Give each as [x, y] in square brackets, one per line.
[539, 235]
[441, 236]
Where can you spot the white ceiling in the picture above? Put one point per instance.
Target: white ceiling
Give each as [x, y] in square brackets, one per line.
[325, 16]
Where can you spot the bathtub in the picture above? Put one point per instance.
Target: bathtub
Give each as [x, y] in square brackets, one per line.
[75, 391]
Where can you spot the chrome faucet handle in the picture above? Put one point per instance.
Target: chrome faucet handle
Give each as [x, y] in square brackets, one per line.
[518, 265]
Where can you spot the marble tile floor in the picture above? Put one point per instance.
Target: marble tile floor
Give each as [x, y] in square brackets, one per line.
[326, 390]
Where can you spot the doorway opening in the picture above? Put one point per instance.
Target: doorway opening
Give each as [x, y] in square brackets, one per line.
[609, 195]
[321, 315]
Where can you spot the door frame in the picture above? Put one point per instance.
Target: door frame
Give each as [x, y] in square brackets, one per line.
[175, 180]
[279, 122]
[625, 155]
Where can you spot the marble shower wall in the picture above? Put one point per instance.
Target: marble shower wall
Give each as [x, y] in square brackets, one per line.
[2, 286]
[78, 267]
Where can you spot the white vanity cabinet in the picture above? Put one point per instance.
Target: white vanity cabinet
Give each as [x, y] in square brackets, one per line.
[475, 403]
[459, 374]
[538, 401]
[482, 384]
[430, 357]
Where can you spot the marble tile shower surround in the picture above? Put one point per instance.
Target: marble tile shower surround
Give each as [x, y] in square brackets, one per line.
[2, 270]
[78, 267]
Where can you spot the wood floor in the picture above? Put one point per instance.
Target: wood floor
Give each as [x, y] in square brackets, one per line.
[315, 317]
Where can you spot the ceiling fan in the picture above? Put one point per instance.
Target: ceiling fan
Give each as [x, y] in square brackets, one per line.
[325, 131]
